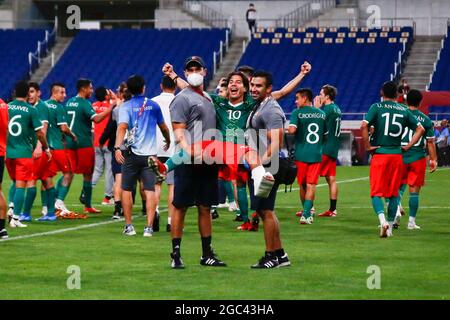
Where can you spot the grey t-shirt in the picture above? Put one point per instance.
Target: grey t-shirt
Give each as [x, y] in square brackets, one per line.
[196, 111]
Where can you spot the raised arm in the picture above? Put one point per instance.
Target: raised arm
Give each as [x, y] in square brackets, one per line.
[291, 85]
[168, 71]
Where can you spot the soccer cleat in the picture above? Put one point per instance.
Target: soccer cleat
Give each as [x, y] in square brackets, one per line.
[107, 201]
[25, 217]
[148, 232]
[300, 213]
[308, 220]
[60, 205]
[47, 218]
[115, 216]
[82, 198]
[254, 222]
[384, 230]
[214, 214]
[223, 205]
[155, 226]
[263, 185]
[177, 262]
[233, 207]
[328, 213]
[15, 223]
[284, 261]
[246, 226]
[158, 168]
[128, 230]
[238, 218]
[3, 234]
[91, 210]
[266, 262]
[397, 220]
[212, 261]
[168, 227]
[413, 226]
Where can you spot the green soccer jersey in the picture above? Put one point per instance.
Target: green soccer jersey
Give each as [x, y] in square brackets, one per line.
[79, 114]
[56, 118]
[333, 120]
[418, 151]
[232, 119]
[309, 138]
[23, 122]
[389, 119]
[42, 110]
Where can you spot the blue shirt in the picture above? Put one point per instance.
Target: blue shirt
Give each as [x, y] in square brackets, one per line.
[142, 123]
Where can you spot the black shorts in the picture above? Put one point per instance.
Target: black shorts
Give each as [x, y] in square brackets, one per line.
[115, 166]
[259, 204]
[196, 185]
[2, 168]
[136, 168]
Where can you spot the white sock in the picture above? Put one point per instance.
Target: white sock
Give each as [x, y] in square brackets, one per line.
[412, 220]
[169, 220]
[382, 219]
[258, 171]
[11, 205]
[391, 224]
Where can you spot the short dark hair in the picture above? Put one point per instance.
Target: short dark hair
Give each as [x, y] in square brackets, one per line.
[414, 98]
[306, 92]
[264, 74]
[389, 90]
[330, 91]
[246, 70]
[57, 84]
[34, 85]
[242, 75]
[82, 83]
[21, 89]
[168, 83]
[135, 84]
[101, 93]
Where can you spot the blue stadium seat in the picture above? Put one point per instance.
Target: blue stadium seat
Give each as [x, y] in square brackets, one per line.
[441, 79]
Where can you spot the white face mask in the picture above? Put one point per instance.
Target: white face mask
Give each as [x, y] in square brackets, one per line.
[195, 79]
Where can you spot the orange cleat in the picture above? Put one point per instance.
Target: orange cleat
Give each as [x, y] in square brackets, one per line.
[328, 213]
[91, 210]
[246, 226]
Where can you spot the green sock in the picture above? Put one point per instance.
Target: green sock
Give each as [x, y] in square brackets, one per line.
[401, 191]
[413, 204]
[229, 190]
[12, 191]
[87, 190]
[62, 191]
[243, 202]
[29, 200]
[307, 208]
[392, 208]
[59, 184]
[51, 195]
[19, 197]
[377, 205]
[44, 197]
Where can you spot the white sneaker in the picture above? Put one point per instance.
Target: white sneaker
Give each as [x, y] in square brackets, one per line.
[263, 185]
[413, 226]
[308, 220]
[15, 223]
[129, 230]
[223, 205]
[148, 232]
[59, 204]
[233, 207]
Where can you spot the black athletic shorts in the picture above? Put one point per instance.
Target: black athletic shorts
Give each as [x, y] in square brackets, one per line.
[136, 167]
[196, 184]
[115, 166]
[2, 168]
[259, 204]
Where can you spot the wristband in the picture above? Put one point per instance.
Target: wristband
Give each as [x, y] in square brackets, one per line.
[175, 79]
[116, 148]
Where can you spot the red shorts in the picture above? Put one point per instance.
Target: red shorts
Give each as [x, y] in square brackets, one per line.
[82, 160]
[228, 173]
[59, 163]
[307, 172]
[327, 166]
[41, 167]
[414, 173]
[20, 169]
[385, 175]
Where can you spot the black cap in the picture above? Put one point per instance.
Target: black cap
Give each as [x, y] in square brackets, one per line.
[194, 60]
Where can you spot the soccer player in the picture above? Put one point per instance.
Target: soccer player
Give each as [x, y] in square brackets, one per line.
[57, 129]
[24, 125]
[3, 137]
[331, 145]
[80, 115]
[308, 124]
[389, 120]
[414, 159]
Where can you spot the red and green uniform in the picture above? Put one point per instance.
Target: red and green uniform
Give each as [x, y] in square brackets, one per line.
[41, 164]
[332, 143]
[389, 119]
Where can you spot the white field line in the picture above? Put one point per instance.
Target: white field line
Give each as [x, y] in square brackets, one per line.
[85, 226]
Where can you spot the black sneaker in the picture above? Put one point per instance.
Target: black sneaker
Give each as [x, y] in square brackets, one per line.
[3, 234]
[177, 262]
[212, 261]
[168, 228]
[156, 222]
[266, 262]
[214, 214]
[82, 198]
[284, 261]
[238, 218]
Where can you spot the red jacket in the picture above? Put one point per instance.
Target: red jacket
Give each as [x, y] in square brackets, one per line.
[99, 107]
[3, 127]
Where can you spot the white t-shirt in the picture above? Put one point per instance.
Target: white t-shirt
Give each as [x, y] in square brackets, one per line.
[164, 100]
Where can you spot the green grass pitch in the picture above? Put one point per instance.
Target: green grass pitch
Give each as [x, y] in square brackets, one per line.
[330, 258]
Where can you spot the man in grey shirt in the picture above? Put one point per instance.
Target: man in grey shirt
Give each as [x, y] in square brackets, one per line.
[193, 114]
[266, 130]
